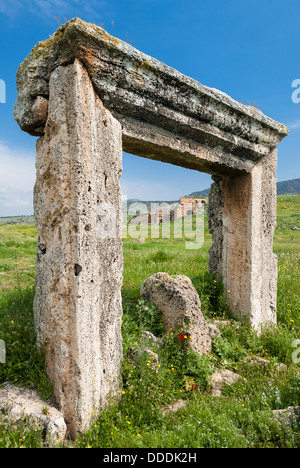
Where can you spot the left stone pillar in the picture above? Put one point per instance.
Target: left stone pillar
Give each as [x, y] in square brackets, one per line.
[77, 202]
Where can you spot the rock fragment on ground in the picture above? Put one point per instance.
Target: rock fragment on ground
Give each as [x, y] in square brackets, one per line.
[266, 365]
[173, 408]
[221, 378]
[178, 301]
[21, 404]
[289, 416]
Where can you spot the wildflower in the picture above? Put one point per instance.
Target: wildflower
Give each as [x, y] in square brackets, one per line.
[181, 336]
[139, 435]
[92, 410]
[123, 392]
[194, 387]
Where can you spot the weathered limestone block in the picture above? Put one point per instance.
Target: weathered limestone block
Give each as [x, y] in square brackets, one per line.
[173, 408]
[221, 378]
[179, 303]
[214, 330]
[242, 222]
[164, 114]
[21, 404]
[289, 417]
[266, 366]
[77, 305]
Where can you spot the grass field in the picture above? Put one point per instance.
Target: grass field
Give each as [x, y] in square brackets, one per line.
[241, 417]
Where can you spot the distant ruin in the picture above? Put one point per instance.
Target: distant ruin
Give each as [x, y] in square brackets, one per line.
[89, 96]
[169, 212]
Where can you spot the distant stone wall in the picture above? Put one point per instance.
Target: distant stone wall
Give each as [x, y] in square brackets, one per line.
[197, 201]
[185, 207]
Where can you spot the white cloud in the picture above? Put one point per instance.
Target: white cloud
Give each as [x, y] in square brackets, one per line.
[17, 179]
[294, 125]
[54, 8]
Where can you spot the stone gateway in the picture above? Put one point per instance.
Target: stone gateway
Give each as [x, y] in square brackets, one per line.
[88, 96]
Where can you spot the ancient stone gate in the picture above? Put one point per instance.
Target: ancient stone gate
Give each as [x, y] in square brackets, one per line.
[88, 96]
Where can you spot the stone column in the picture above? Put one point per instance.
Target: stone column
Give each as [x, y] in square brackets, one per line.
[242, 223]
[77, 202]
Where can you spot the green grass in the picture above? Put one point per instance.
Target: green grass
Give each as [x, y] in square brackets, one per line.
[17, 256]
[24, 365]
[241, 417]
[288, 217]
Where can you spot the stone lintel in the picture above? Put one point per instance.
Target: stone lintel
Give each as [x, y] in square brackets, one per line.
[144, 94]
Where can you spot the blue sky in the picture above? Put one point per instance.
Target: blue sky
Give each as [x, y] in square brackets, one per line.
[248, 49]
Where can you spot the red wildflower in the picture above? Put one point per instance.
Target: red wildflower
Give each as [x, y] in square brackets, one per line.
[194, 387]
[181, 336]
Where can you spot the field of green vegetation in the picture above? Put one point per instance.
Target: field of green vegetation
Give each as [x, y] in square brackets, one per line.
[241, 418]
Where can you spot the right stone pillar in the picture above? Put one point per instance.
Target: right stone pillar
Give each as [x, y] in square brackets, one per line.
[242, 221]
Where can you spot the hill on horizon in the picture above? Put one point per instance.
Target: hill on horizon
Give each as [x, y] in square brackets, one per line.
[286, 187]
